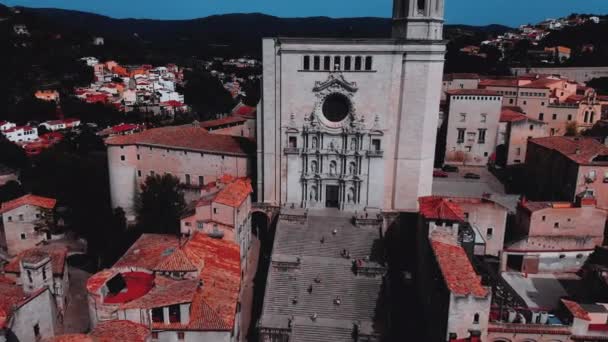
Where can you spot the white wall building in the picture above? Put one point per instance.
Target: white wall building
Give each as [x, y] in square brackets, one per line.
[21, 133]
[351, 123]
[473, 119]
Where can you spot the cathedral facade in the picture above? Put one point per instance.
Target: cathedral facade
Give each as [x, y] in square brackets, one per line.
[351, 123]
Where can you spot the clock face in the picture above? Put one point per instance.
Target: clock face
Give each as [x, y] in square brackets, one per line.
[336, 107]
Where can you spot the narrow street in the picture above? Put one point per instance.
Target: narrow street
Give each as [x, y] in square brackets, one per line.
[247, 290]
[76, 319]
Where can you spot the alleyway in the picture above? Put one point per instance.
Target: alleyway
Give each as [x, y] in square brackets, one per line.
[76, 319]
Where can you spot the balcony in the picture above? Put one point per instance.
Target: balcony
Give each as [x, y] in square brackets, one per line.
[291, 150]
[375, 154]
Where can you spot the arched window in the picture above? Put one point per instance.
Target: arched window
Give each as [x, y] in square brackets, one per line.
[368, 63]
[358, 62]
[476, 319]
[347, 62]
[306, 63]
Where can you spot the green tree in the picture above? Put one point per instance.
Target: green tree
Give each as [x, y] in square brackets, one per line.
[10, 191]
[160, 205]
[12, 155]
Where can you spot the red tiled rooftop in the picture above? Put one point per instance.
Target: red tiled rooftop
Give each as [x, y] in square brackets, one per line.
[504, 82]
[10, 296]
[123, 331]
[188, 137]
[458, 273]
[70, 338]
[535, 206]
[58, 257]
[576, 310]
[484, 92]
[37, 201]
[510, 115]
[175, 262]
[440, 208]
[137, 284]
[580, 150]
[245, 111]
[543, 83]
[235, 193]
[176, 292]
[223, 121]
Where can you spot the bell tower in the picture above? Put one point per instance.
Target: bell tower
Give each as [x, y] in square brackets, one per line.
[418, 19]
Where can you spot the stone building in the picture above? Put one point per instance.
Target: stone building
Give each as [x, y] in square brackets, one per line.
[223, 211]
[518, 129]
[560, 168]
[26, 316]
[455, 303]
[472, 126]
[181, 289]
[25, 223]
[554, 237]
[459, 81]
[188, 152]
[351, 123]
[41, 267]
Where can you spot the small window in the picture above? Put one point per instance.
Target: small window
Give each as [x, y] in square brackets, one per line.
[20, 217]
[174, 314]
[484, 118]
[122, 158]
[556, 225]
[525, 102]
[199, 225]
[476, 319]
[180, 335]
[463, 117]
[44, 273]
[155, 335]
[569, 117]
[579, 256]
[518, 151]
[10, 219]
[347, 62]
[376, 145]
[23, 236]
[541, 116]
[152, 173]
[358, 63]
[293, 142]
[562, 256]
[421, 5]
[490, 233]
[317, 62]
[531, 127]
[337, 63]
[368, 63]
[138, 157]
[511, 101]
[215, 210]
[306, 63]
[29, 276]
[138, 173]
[201, 180]
[326, 63]
[37, 330]
[544, 218]
[466, 216]
[554, 116]
[187, 179]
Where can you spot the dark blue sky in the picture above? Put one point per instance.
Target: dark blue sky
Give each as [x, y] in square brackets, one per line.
[476, 12]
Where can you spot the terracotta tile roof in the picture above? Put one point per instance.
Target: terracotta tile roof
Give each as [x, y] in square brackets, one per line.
[176, 292]
[38, 201]
[440, 208]
[213, 306]
[245, 111]
[580, 150]
[484, 92]
[235, 193]
[462, 76]
[543, 83]
[71, 338]
[221, 277]
[99, 279]
[10, 296]
[124, 331]
[536, 206]
[458, 273]
[175, 262]
[223, 121]
[576, 310]
[137, 284]
[505, 82]
[509, 115]
[58, 258]
[148, 251]
[188, 138]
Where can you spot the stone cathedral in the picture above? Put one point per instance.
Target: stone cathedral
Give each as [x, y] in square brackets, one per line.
[351, 123]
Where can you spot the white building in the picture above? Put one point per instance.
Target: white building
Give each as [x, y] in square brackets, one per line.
[21, 133]
[351, 123]
[472, 126]
[90, 61]
[5, 125]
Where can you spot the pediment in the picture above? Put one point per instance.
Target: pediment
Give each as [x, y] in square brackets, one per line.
[335, 80]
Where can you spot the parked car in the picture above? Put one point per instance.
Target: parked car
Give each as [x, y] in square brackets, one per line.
[440, 174]
[471, 175]
[449, 168]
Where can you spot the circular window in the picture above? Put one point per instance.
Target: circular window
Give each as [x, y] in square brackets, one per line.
[336, 107]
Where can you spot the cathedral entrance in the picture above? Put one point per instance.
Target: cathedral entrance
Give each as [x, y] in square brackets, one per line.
[332, 196]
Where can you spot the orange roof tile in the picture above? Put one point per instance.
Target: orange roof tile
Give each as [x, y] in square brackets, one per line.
[440, 208]
[10, 296]
[235, 193]
[458, 273]
[70, 338]
[504, 82]
[38, 201]
[223, 121]
[175, 262]
[580, 150]
[510, 115]
[576, 310]
[124, 331]
[188, 137]
[176, 292]
[58, 258]
[148, 251]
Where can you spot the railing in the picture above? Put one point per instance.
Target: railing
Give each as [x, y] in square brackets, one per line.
[375, 153]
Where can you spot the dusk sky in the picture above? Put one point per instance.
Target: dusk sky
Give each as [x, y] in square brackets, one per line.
[475, 12]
